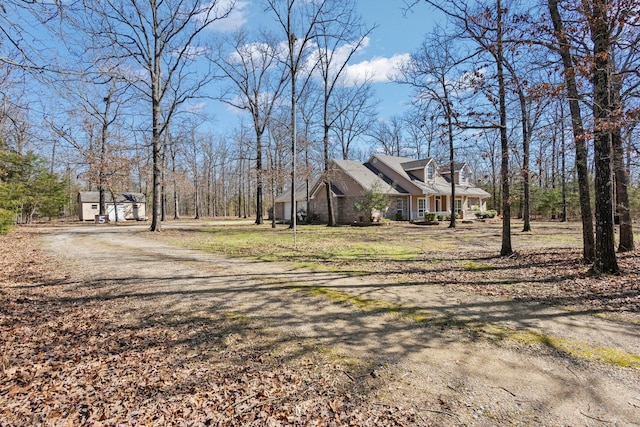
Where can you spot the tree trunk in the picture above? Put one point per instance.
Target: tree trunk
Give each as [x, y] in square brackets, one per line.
[156, 142]
[163, 209]
[331, 219]
[504, 140]
[578, 133]
[605, 254]
[176, 203]
[626, 243]
[526, 210]
[623, 210]
[294, 136]
[564, 184]
[103, 153]
[157, 171]
[452, 221]
[259, 198]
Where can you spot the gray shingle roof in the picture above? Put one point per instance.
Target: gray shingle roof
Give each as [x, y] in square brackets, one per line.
[447, 169]
[402, 166]
[366, 178]
[94, 197]
[415, 164]
[301, 195]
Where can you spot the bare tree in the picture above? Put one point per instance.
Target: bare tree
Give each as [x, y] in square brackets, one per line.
[432, 72]
[357, 114]
[92, 122]
[564, 49]
[299, 22]
[24, 41]
[309, 134]
[341, 33]
[162, 39]
[251, 67]
[388, 134]
[422, 128]
[485, 26]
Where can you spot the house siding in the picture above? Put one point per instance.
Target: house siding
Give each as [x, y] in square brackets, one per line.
[343, 208]
[134, 205]
[318, 204]
[401, 179]
[279, 210]
[88, 211]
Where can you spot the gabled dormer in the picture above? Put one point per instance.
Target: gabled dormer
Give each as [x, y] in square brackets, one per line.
[424, 170]
[464, 175]
[461, 173]
[430, 171]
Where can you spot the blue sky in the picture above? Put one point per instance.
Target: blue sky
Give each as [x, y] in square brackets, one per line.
[398, 33]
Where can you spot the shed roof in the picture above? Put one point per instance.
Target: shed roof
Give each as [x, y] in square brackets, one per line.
[94, 197]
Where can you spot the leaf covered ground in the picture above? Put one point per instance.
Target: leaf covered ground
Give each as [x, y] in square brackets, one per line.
[77, 361]
[71, 354]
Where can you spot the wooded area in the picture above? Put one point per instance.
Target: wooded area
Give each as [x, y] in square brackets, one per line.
[541, 99]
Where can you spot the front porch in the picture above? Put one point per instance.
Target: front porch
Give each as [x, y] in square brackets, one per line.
[413, 208]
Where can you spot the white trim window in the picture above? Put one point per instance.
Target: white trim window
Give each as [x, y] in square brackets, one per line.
[422, 207]
[458, 205]
[464, 175]
[430, 172]
[400, 206]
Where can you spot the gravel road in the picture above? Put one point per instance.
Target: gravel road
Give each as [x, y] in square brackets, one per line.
[476, 381]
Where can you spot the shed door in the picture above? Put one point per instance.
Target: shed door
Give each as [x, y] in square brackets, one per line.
[112, 214]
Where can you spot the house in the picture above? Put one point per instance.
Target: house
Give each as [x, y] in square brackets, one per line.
[128, 205]
[283, 204]
[414, 188]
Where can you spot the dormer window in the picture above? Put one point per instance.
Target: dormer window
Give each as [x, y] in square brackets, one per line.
[430, 172]
[464, 175]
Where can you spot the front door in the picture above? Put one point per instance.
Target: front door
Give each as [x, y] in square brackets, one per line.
[422, 208]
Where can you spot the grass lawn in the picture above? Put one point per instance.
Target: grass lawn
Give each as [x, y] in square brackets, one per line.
[357, 246]
[546, 265]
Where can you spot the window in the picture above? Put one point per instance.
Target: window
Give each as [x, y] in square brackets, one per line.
[399, 206]
[94, 207]
[438, 204]
[430, 172]
[422, 207]
[458, 205]
[464, 175]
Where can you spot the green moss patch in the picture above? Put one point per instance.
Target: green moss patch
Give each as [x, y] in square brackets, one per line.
[473, 265]
[403, 311]
[609, 356]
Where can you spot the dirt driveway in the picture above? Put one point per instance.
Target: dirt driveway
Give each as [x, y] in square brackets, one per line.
[450, 375]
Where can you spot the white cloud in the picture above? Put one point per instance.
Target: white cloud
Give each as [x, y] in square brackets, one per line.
[255, 51]
[236, 19]
[194, 107]
[378, 70]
